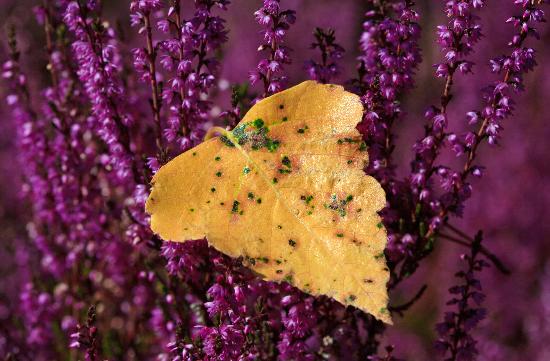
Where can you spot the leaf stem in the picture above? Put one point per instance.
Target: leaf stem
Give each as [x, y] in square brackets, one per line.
[211, 133]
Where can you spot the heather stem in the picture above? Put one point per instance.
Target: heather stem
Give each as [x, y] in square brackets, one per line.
[124, 133]
[178, 23]
[480, 136]
[91, 351]
[455, 331]
[405, 306]
[48, 27]
[156, 103]
[276, 23]
[491, 256]
[331, 52]
[390, 55]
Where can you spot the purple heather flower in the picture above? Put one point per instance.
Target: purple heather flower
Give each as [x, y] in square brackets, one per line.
[455, 338]
[389, 57]
[331, 52]
[189, 57]
[85, 336]
[498, 104]
[276, 23]
[98, 67]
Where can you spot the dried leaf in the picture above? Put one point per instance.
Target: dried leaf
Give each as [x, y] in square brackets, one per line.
[286, 191]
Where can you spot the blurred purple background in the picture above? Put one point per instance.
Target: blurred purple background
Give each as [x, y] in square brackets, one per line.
[510, 203]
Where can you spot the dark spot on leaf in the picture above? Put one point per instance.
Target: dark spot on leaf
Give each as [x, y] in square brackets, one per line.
[235, 207]
[288, 278]
[258, 123]
[250, 260]
[272, 145]
[308, 199]
[286, 161]
[292, 243]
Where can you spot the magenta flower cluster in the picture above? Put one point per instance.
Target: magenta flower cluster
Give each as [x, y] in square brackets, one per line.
[276, 23]
[99, 285]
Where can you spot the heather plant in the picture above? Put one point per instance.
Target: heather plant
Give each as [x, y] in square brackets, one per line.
[122, 89]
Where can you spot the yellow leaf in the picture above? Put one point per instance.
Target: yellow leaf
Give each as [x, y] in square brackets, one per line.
[286, 191]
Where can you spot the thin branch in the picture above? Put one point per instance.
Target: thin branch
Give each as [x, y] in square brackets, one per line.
[459, 232]
[155, 104]
[405, 306]
[491, 256]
